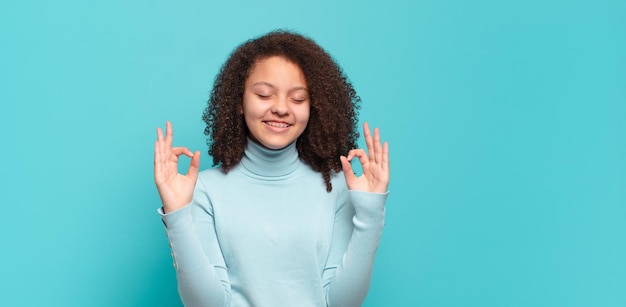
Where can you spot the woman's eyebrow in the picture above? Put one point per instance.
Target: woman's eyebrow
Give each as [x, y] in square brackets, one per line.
[295, 88]
[263, 83]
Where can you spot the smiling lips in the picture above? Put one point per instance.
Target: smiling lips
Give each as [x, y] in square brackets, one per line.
[277, 124]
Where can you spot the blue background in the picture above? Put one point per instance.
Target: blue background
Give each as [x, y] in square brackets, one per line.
[506, 122]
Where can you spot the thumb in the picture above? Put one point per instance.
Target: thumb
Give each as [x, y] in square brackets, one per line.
[194, 166]
[347, 169]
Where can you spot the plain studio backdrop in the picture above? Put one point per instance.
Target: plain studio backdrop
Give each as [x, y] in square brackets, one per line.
[506, 123]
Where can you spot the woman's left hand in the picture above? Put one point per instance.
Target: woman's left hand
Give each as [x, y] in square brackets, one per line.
[375, 164]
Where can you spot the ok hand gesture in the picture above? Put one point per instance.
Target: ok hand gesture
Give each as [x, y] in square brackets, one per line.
[176, 190]
[375, 164]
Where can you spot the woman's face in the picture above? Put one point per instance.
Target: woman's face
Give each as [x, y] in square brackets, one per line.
[276, 102]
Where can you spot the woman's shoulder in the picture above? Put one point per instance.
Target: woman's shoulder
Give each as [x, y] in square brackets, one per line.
[338, 181]
[211, 174]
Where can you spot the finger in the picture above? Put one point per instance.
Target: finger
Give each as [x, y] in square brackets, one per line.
[361, 155]
[368, 140]
[386, 156]
[177, 151]
[159, 147]
[194, 166]
[157, 158]
[159, 134]
[162, 150]
[378, 147]
[159, 163]
[169, 134]
[354, 152]
[347, 169]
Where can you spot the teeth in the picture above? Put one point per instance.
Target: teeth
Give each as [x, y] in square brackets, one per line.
[277, 125]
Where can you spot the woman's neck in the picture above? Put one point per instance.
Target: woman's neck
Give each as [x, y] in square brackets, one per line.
[265, 162]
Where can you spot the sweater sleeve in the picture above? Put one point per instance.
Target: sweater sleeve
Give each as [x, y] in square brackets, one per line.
[358, 225]
[200, 269]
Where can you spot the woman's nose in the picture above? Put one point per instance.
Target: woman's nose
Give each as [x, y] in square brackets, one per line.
[281, 106]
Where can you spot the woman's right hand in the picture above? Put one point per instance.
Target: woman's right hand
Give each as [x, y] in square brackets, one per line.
[176, 190]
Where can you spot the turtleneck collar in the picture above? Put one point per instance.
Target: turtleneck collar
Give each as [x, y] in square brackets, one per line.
[265, 162]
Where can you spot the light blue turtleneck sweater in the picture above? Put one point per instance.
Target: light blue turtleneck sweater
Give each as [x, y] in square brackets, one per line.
[268, 234]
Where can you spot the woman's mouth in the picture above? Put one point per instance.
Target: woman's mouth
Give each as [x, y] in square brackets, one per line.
[277, 124]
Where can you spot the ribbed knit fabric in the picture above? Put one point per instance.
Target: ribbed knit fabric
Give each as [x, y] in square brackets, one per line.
[268, 234]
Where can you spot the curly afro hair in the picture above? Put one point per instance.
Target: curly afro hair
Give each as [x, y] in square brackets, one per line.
[332, 127]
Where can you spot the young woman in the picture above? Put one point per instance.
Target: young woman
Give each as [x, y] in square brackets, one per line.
[283, 220]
